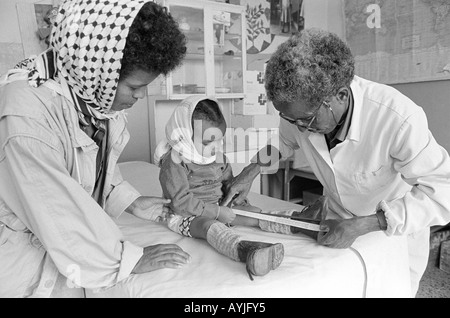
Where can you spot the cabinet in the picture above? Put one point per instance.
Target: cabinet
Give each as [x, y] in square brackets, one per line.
[292, 184]
[215, 61]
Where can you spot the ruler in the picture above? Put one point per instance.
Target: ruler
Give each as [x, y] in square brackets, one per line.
[278, 219]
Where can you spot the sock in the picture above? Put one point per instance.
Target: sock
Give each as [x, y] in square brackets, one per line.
[181, 225]
[276, 227]
[224, 240]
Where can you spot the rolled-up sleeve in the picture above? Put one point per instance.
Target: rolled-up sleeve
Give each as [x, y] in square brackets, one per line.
[72, 227]
[121, 196]
[130, 257]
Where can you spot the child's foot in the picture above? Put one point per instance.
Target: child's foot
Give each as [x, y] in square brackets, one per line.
[260, 257]
[315, 212]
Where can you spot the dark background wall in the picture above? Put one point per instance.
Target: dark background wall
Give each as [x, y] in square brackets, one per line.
[434, 98]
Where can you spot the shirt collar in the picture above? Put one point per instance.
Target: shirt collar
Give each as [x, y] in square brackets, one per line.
[351, 128]
[344, 128]
[354, 132]
[343, 131]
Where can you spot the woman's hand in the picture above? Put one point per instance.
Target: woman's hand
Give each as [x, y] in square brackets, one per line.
[161, 256]
[237, 189]
[150, 208]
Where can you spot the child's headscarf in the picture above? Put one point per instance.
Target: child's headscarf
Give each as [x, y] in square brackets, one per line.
[179, 133]
[86, 49]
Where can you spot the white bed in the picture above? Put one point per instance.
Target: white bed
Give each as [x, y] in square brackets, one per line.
[375, 266]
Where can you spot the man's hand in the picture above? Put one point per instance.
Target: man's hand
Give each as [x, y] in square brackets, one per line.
[150, 208]
[161, 256]
[343, 233]
[338, 233]
[226, 215]
[237, 190]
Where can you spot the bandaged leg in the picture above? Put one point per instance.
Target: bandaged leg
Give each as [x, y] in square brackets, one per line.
[224, 240]
[259, 257]
[218, 235]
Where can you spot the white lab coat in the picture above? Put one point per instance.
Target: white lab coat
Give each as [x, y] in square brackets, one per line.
[389, 157]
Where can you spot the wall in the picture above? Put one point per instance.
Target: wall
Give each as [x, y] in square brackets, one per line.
[11, 49]
[138, 148]
[434, 97]
[326, 15]
[18, 39]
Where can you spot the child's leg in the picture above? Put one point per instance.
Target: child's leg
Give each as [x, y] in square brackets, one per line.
[264, 225]
[259, 257]
[217, 234]
[243, 220]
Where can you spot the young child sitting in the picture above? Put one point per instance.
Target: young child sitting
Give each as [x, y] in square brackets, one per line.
[193, 175]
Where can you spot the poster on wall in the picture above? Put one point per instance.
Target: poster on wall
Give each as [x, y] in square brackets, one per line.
[286, 17]
[45, 16]
[269, 19]
[258, 25]
[399, 41]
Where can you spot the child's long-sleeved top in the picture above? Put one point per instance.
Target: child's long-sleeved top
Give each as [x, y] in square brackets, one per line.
[194, 189]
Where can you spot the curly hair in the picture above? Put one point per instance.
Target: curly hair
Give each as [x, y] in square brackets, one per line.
[154, 42]
[208, 110]
[309, 66]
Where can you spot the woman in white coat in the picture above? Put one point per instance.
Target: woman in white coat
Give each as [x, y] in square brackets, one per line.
[368, 145]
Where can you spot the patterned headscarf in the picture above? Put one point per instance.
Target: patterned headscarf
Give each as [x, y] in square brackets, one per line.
[86, 49]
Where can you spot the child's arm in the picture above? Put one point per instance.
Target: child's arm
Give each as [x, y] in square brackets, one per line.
[227, 178]
[175, 186]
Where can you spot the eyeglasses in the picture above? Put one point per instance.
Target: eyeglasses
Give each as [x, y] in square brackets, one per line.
[306, 122]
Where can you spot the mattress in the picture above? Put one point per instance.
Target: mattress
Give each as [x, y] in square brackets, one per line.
[375, 266]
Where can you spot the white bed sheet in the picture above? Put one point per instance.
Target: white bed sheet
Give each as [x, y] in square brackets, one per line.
[376, 266]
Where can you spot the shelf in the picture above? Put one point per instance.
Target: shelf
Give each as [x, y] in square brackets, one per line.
[229, 36]
[199, 56]
[195, 35]
[183, 96]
